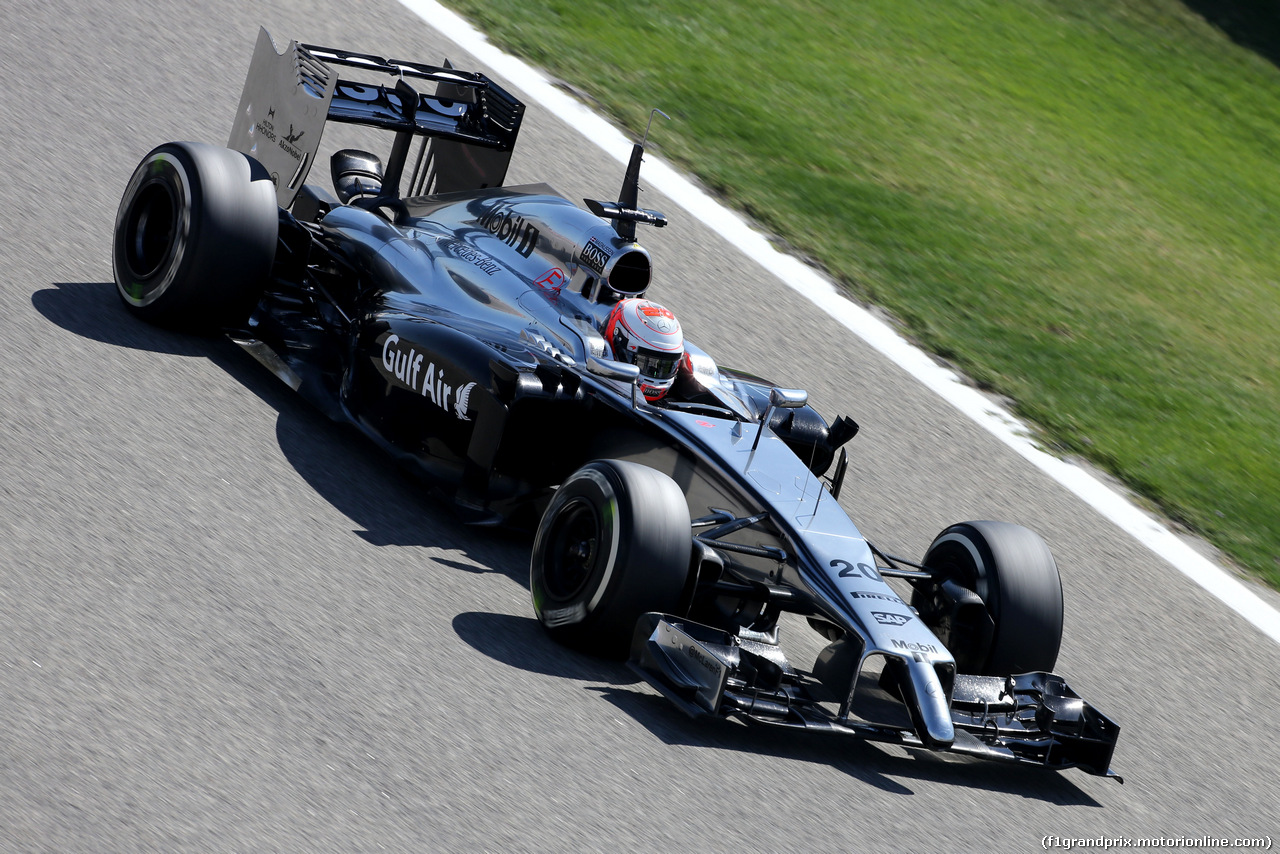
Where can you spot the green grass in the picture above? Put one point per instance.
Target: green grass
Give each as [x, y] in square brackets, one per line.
[1073, 200]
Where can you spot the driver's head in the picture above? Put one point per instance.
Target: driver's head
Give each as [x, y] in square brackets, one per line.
[648, 336]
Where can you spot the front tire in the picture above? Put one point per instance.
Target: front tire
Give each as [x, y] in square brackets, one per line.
[195, 236]
[1011, 569]
[614, 543]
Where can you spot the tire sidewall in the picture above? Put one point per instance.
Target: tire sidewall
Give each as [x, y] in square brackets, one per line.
[968, 558]
[162, 172]
[220, 206]
[1013, 572]
[641, 563]
[556, 608]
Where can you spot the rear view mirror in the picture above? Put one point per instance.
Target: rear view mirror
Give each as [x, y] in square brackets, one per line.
[788, 398]
[611, 370]
[780, 398]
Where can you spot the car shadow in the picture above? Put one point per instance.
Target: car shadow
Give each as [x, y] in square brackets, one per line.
[387, 505]
[861, 760]
[886, 767]
[92, 310]
[520, 642]
[391, 507]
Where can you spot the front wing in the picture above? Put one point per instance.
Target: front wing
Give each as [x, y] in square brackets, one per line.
[1031, 718]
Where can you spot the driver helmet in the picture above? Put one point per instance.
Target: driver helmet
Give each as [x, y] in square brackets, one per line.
[648, 336]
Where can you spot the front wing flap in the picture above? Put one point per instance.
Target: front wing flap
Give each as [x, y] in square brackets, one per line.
[1031, 718]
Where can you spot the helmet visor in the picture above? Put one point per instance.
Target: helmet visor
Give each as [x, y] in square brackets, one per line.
[658, 366]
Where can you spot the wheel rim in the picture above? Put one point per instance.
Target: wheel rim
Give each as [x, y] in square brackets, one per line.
[151, 229]
[953, 560]
[574, 546]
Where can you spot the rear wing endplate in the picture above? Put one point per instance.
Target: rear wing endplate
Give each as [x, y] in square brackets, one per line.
[468, 126]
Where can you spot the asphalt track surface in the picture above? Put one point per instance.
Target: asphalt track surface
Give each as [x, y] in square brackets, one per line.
[227, 624]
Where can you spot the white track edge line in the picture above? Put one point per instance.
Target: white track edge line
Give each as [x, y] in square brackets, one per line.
[823, 293]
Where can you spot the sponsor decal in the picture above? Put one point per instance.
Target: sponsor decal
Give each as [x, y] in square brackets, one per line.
[407, 367]
[267, 129]
[595, 256]
[551, 283]
[701, 365]
[552, 280]
[482, 261]
[702, 423]
[511, 229]
[290, 150]
[403, 366]
[434, 387]
[858, 594]
[460, 401]
[913, 646]
[885, 618]
[659, 319]
[702, 659]
[862, 570]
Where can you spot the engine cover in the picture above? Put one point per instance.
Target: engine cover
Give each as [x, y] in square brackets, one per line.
[535, 228]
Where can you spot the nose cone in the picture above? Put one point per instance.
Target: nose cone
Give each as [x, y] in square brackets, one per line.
[926, 700]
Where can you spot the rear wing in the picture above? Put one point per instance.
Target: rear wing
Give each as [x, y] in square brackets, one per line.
[468, 126]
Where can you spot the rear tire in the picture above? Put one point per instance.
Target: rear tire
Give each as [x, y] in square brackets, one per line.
[1012, 571]
[195, 236]
[614, 543]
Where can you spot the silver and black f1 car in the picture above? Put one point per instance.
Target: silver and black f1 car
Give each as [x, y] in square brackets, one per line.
[456, 321]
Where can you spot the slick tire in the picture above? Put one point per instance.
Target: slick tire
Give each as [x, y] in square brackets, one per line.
[614, 543]
[195, 237]
[1012, 571]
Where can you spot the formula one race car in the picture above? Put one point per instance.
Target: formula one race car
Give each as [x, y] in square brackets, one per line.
[497, 340]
